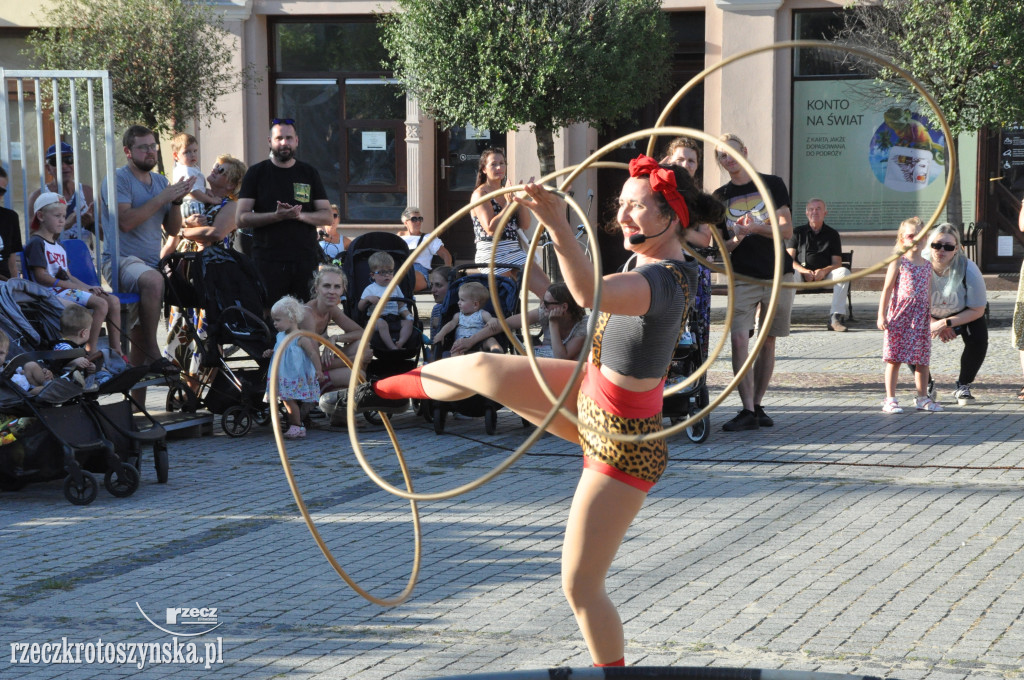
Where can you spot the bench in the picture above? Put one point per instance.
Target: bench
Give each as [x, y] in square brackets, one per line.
[847, 258]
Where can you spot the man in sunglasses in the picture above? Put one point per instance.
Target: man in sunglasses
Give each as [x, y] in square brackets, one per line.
[60, 167]
[282, 202]
[817, 253]
[10, 235]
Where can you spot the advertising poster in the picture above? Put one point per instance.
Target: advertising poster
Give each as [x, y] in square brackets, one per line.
[873, 165]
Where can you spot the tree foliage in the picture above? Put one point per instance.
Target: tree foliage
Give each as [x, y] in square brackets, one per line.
[497, 64]
[168, 59]
[967, 53]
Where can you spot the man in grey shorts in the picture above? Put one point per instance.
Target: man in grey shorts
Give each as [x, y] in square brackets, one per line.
[747, 233]
[146, 203]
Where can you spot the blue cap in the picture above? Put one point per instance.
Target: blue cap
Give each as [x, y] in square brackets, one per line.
[64, 148]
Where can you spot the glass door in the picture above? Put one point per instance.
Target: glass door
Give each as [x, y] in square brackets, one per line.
[458, 159]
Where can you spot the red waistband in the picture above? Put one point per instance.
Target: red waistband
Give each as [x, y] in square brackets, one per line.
[618, 400]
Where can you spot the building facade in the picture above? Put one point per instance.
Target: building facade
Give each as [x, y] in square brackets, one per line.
[799, 115]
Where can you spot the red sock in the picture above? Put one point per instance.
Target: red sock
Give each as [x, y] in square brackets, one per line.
[404, 386]
[620, 662]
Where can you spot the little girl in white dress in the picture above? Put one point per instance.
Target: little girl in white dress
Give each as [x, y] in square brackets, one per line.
[300, 372]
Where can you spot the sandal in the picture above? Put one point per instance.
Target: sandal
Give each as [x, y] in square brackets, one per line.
[926, 404]
[890, 405]
[295, 432]
[1020, 395]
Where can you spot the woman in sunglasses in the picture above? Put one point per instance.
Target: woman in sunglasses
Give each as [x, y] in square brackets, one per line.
[413, 235]
[332, 242]
[957, 306]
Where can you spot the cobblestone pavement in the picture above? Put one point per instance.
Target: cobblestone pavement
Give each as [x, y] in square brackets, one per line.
[841, 540]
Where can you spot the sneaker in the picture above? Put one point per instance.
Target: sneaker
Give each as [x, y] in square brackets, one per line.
[367, 400]
[744, 420]
[926, 404]
[890, 405]
[763, 419]
[836, 324]
[962, 394]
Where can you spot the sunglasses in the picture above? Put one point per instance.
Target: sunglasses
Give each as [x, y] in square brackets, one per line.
[67, 160]
[282, 121]
[550, 303]
[948, 247]
[415, 219]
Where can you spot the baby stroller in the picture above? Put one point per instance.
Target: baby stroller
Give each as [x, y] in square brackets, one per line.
[476, 406]
[62, 432]
[386, 362]
[686, 359]
[221, 299]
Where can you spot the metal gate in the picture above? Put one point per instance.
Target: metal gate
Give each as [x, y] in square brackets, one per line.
[90, 134]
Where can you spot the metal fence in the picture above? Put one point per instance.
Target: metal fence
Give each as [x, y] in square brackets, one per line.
[90, 133]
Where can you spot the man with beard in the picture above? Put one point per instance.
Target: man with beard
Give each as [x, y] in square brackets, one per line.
[283, 201]
[146, 202]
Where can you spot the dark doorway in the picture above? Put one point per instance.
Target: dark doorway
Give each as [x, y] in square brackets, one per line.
[1000, 189]
[688, 61]
[458, 153]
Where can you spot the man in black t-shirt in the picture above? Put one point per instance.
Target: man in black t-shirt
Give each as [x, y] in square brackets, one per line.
[10, 236]
[817, 253]
[747, 232]
[282, 201]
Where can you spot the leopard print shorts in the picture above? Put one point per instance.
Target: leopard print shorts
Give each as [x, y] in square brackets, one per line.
[638, 464]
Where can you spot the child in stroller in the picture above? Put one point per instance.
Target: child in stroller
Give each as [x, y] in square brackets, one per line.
[508, 295]
[471, 319]
[395, 325]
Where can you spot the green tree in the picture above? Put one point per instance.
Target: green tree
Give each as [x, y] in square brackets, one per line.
[497, 64]
[168, 59]
[967, 53]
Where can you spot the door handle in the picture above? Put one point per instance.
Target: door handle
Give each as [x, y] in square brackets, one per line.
[444, 166]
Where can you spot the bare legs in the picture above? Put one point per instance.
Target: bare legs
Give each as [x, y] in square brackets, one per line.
[892, 372]
[754, 384]
[602, 510]
[505, 379]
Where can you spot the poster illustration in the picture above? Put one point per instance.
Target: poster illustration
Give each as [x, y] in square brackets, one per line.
[874, 164]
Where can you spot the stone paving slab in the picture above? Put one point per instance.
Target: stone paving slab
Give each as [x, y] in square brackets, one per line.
[841, 540]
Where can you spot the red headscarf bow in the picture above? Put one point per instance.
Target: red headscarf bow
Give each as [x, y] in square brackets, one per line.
[663, 181]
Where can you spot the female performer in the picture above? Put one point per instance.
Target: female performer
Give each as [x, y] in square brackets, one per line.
[957, 306]
[635, 331]
[490, 177]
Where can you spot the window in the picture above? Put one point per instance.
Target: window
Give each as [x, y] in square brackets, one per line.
[823, 25]
[349, 115]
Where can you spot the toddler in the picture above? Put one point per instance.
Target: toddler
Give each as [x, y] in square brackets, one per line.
[31, 377]
[185, 151]
[382, 269]
[87, 371]
[904, 314]
[300, 371]
[471, 318]
[47, 263]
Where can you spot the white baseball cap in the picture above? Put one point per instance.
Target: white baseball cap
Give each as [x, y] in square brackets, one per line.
[47, 198]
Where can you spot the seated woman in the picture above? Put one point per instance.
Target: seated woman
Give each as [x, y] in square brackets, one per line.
[413, 236]
[215, 223]
[562, 320]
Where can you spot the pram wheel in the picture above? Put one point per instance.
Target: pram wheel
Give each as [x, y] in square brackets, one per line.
[81, 495]
[699, 431]
[181, 398]
[236, 421]
[438, 415]
[490, 420]
[161, 462]
[421, 407]
[262, 416]
[122, 482]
